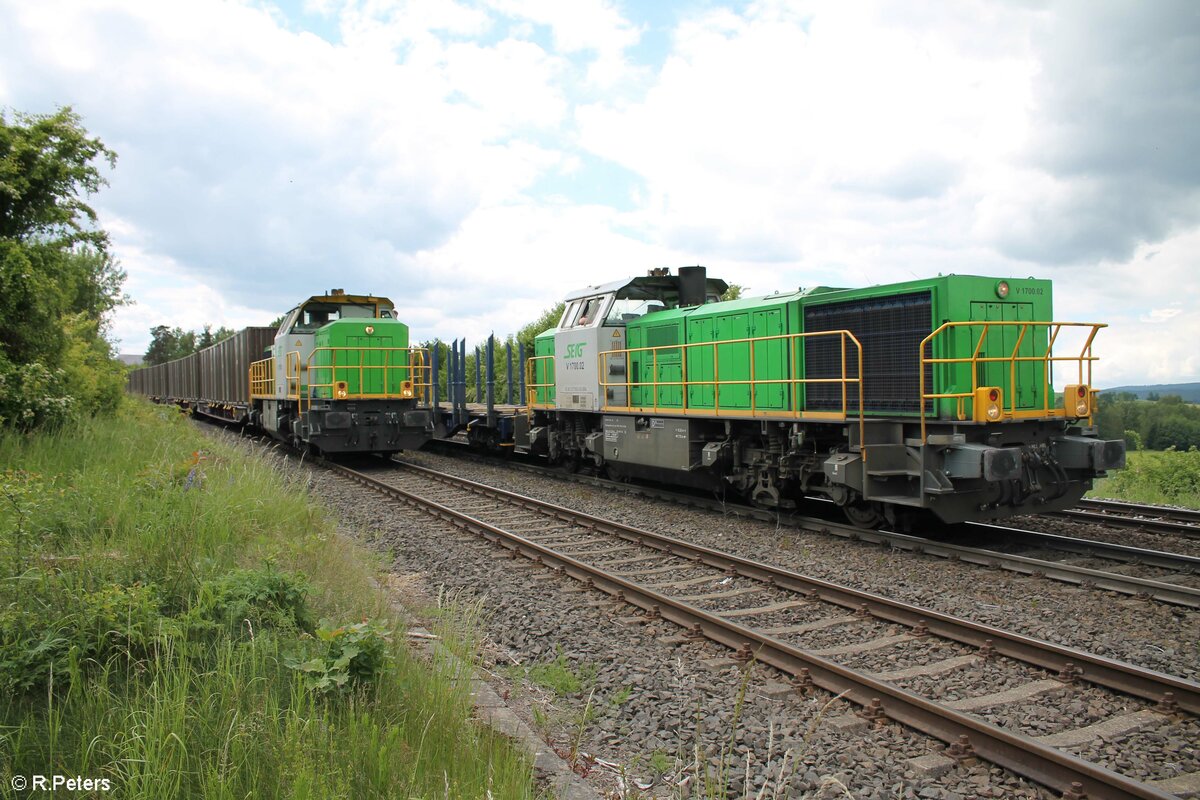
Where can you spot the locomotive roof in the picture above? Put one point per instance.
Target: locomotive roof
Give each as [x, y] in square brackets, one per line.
[644, 288]
[347, 298]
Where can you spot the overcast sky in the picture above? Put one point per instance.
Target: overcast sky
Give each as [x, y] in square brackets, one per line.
[474, 161]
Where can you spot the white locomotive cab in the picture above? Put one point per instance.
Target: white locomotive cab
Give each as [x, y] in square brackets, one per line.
[587, 329]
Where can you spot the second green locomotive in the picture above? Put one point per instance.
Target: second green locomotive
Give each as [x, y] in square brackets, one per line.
[341, 378]
[931, 395]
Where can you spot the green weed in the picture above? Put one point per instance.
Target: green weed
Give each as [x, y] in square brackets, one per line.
[156, 584]
[1168, 477]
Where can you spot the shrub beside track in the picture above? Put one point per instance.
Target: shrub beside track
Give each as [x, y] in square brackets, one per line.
[179, 618]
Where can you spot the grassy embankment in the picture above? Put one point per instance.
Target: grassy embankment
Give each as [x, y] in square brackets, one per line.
[187, 625]
[1162, 477]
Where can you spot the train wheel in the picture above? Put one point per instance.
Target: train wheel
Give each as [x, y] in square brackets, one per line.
[864, 514]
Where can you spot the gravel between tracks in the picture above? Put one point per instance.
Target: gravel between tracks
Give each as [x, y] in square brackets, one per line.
[653, 704]
[1169, 542]
[1147, 633]
[656, 705]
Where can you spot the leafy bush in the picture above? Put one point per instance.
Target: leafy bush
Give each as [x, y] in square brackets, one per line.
[353, 655]
[33, 396]
[251, 600]
[111, 622]
[1169, 477]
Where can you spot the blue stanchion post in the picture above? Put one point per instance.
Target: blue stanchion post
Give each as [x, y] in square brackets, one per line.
[521, 370]
[478, 375]
[451, 377]
[508, 381]
[435, 410]
[491, 383]
[460, 415]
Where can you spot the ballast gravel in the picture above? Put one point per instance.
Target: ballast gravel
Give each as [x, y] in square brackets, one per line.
[650, 714]
[1147, 633]
[654, 710]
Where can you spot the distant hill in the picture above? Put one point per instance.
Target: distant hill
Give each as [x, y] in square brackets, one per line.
[132, 359]
[1190, 392]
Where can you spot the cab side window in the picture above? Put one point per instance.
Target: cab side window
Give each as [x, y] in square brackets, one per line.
[570, 315]
[591, 310]
[285, 327]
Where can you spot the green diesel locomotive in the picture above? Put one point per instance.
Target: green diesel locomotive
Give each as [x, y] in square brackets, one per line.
[933, 395]
[341, 378]
[338, 377]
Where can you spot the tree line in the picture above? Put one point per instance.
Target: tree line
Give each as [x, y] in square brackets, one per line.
[1167, 422]
[168, 344]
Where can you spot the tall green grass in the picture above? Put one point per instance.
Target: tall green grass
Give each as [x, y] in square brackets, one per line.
[1164, 477]
[158, 591]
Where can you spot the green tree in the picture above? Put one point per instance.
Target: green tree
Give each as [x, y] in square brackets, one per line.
[734, 292]
[545, 322]
[57, 278]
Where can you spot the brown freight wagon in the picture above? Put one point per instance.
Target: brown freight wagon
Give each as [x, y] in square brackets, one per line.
[214, 381]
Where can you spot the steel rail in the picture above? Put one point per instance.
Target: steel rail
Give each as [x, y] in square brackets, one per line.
[1138, 681]
[1017, 752]
[1095, 548]
[1143, 509]
[1161, 591]
[1155, 519]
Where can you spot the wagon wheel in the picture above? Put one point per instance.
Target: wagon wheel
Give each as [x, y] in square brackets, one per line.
[864, 514]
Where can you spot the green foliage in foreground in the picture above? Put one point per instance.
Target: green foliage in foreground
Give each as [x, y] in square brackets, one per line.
[157, 598]
[57, 279]
[1166, 478]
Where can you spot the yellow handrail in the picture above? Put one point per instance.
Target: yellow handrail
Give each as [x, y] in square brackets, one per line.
[1012, 359]
[795, 412]
[531, 386]
[262, 378]
[416, 386]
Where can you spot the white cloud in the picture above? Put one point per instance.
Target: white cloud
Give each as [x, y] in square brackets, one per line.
[766, 131]
[593, 27]
[259, 160]
[444, 151]
[1160, 315]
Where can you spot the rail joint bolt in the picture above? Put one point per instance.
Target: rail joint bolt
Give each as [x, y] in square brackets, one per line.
[962, 751]
[1069, 673]
[873, 711]
[1075, 792]
[1168, 705]
[803, 681]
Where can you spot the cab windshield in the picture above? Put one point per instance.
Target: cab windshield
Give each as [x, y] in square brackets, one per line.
[316, 315]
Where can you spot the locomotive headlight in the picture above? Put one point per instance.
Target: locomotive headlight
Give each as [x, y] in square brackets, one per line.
[340, 390]
[989, 404]
[1002, 289]
[1077, 398]
[406, 389]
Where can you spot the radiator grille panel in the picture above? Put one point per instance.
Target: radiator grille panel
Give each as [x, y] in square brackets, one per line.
[890, 330]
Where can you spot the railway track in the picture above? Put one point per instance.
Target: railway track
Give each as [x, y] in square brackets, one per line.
[1157, 519]
[1167, 577]
[778, 617]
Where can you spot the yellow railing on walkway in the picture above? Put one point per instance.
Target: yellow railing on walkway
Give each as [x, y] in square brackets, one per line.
[793, 411]
[262, 378]
[404, 374]
[531, 384]
[407, 369]
[1010, 411]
